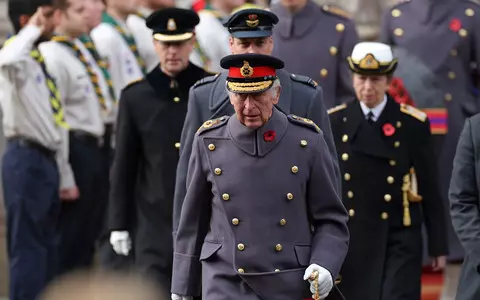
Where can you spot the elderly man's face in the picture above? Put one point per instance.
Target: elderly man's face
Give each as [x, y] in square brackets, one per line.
[254, 110]
[370, 89]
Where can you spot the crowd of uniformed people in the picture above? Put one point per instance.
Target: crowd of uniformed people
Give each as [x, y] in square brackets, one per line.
[238, 150]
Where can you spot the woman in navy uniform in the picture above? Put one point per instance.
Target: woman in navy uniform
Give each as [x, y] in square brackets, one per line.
[150, 121]
[384, 147]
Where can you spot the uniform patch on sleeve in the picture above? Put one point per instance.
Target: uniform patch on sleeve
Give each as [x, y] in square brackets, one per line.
[304, 122]
[338, 11]
[414, 112]
[336, 108]
[210, 124]
[205, 80]
[304, 79]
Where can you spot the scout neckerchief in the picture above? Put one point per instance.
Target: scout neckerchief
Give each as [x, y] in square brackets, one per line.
[128, 38]
[87, 41]
[54, 98]
[93, 76]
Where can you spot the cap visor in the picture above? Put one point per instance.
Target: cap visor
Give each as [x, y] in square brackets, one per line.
[249, 87]
[172, 38]
[248, 34]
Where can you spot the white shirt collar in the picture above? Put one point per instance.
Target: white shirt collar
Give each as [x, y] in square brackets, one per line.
[377, 110]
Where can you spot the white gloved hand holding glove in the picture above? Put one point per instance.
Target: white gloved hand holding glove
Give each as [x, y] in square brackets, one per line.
[325, 280]
[178, 297]
[121, 243]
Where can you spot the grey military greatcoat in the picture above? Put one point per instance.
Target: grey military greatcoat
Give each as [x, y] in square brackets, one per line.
[261, 206]
[315, 42]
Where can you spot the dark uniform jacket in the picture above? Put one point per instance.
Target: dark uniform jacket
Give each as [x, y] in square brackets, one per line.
[150, 121]
[374, 159]
[439, 44]
[258, 212]
[315, 42]
[209, 100]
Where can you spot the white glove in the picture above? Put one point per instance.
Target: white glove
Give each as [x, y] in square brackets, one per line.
[325, 280]
[121, 243]
[178, 297]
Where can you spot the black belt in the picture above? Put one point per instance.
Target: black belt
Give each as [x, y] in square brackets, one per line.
[86, 137]
[28, 143]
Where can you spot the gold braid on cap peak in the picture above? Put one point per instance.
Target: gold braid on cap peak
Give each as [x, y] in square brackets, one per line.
[249, 86]
[369, 62]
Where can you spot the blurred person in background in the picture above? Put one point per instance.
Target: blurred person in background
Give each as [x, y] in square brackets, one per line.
[315, 41]
[34, 127]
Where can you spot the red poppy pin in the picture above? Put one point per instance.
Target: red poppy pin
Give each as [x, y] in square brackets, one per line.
[388, 129]
[269, 136]
[455, 25]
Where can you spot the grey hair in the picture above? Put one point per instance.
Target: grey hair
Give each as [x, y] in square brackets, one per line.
[273, 89]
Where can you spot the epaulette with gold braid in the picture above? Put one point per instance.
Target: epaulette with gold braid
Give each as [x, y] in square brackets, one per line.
[304, 121]
[414, 112]
[336, 108]
[337, 11]
[214, 123]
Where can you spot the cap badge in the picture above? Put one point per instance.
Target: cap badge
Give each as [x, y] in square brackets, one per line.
[252, 21]
[171, 25]
[369, 62]
[246, 70]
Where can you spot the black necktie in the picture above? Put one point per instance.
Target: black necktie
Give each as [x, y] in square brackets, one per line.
[370, 117]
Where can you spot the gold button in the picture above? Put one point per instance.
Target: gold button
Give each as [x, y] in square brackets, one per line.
[324, 72]
[448, 97]
[226, 197]
[393, 163]
[241, 247]
[351, 212]
[303, 143]
[396, 13]
[333, 51]
[469, 12]
[283, 222]
[294, 169]
[398, 32]
[344, 138]
[384, 215]
[399, 124]
[451, 75]
[387, 198]
[463, 32]
[390, 179]
[289, 196]
[347, 176]
[396, 144]
[211, 147]
[177, 145]
[176, 99]
[241, 270]
[278, 247]
[350, 194]
[340, 27]
[277, 270]
[218, 171]
[235, 221]
[344, 156]
[453, 52]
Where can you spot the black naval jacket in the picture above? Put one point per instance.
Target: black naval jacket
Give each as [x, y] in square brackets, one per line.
[150, 120]
[374, 158]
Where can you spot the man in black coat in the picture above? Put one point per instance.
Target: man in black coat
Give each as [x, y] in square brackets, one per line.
[383, 148]
[151, 116]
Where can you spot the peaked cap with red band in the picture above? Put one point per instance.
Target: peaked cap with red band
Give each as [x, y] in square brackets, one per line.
[250, 73]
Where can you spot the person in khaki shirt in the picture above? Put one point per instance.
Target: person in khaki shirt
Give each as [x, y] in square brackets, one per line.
[34, 167]
[71, 65]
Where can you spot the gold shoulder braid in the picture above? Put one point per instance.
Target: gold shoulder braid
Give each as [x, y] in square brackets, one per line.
[336, 108]
[414, 112]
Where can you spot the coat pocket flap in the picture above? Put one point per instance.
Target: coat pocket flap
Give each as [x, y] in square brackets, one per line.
[303, 254]
[208, 249]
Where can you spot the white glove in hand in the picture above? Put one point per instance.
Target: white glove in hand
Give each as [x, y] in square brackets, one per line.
[178, 297]
[325, 280]
[121, 243]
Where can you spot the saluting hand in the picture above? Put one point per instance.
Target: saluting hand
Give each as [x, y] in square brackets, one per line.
[439, 263]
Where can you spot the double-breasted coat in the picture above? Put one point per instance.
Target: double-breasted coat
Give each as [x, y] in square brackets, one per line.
[439, 44]
[385, 256]
[150, 121]
[261, 206]
[315, 42]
